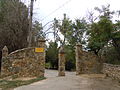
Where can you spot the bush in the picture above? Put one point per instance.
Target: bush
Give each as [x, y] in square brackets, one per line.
[48, 65]
[69, 65]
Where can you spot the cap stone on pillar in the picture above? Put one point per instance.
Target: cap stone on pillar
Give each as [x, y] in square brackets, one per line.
[4, 51]
[41, 42]
[79, 45]
[61, 50]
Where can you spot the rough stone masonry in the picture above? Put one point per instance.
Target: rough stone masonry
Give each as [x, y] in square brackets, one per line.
[112, 71]
[27, 62]
[86, 62]
[61, 69]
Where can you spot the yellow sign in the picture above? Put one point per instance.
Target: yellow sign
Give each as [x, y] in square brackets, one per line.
[39, 49]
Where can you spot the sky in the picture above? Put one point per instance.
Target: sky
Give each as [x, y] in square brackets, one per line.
[46, 10]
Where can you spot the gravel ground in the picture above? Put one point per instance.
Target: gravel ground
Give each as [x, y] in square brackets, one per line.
[71, 82]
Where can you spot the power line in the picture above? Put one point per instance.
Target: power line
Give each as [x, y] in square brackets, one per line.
[56, 9]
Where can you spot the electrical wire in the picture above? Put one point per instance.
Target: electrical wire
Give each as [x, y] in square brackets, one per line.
[56, 9]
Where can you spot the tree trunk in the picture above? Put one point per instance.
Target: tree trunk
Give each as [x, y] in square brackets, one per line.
[30, 24]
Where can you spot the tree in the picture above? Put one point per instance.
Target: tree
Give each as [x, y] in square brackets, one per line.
[105, 33]
[110, 55]
[77, 33]
[100, 34]
[73, 32]
[13, 24]
[116, 37]
[37, 32]
[101, 31]
[63, 26]
[30, 24]
[52, 55]
[70, 58]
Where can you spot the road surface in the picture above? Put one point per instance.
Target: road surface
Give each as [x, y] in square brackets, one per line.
[71, 82]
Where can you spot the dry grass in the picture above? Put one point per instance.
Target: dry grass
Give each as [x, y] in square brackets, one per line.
[10, 84]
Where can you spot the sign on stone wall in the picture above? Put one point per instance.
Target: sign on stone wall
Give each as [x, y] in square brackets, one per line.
[39, 49]
[24, 62]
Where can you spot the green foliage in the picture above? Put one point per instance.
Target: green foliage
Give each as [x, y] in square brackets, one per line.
[37, 29]
[77, 33]
[116, 37]
[37, 32]
[100, 34]
[48, 65]
[73, 32]
[70, 57]
[101, 31]
[105, 33]
[65, 27]
[112, 56]
[52, 55]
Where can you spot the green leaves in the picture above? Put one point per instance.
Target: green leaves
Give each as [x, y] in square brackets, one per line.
[52, 54]
[72, 31]
[101, 31]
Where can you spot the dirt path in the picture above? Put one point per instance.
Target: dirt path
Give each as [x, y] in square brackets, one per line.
[71, 82]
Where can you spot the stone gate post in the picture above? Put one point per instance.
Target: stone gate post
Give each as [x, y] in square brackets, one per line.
[4, 55]
[61, 63]
[5, 52]
[78, 58]
[41, 53]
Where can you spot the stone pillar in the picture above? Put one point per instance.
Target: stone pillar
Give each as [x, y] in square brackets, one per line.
[61, 63]
[4, 55]
[78, 58]
[41, 43]
[5, 52]
[41, 55]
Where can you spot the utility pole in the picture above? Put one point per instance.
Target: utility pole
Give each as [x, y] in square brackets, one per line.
[30, 24]
[54, 29]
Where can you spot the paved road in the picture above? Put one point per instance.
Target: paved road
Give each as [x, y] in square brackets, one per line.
[70, 82]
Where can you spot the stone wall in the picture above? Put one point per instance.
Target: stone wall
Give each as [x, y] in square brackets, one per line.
[25, 62]
[112, 71]
[86, 62]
